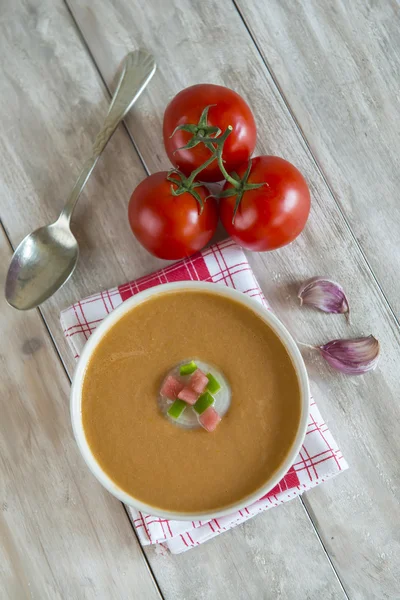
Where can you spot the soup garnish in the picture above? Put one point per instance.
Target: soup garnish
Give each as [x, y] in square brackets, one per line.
[189, 388]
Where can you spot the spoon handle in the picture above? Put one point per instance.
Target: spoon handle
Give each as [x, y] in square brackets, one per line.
[139, 68]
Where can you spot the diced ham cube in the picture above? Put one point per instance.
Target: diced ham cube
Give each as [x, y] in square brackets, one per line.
[188, 395]
[171, 387]
[198, 381]
[209, 419]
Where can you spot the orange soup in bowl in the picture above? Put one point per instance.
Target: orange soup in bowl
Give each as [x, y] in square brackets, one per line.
[159, 462]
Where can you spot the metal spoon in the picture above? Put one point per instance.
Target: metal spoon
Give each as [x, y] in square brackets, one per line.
[47, 257]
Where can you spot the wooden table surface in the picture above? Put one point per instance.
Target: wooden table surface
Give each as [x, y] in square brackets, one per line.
[323, 81]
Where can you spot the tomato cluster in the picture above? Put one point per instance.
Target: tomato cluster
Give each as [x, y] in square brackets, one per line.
[209, 135]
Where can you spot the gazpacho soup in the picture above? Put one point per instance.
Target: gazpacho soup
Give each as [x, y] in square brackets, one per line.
[190, 402]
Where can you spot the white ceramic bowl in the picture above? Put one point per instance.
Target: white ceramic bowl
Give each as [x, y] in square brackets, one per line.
[110, 320]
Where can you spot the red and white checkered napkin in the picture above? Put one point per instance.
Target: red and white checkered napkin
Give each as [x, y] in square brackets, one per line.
[319, 458]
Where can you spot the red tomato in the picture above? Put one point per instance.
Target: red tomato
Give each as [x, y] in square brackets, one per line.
[229, 109]
[168, 226]
[271, 216]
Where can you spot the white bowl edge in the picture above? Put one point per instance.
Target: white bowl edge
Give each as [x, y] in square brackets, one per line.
[222, 290]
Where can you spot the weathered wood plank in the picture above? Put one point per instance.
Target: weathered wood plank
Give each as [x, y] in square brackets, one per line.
[51, 77]
[260, 559]
[357, 515]
[338, 65]
[52, 104]
[61, 535]
[51, 108]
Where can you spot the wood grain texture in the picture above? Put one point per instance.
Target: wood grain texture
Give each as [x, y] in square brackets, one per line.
[51, 108]
[268, 557]
[61, 535]
[338, 65]
[358, 514]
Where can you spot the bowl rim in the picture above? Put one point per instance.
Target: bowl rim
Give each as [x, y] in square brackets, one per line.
[76, 396]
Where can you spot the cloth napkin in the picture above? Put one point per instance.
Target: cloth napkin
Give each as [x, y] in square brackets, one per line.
[319, 459]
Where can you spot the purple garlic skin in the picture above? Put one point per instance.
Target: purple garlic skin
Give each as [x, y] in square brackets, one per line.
[354, 356]
[324, 294]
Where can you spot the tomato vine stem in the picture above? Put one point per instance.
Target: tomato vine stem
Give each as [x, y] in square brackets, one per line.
[188, 184]
[214, 140]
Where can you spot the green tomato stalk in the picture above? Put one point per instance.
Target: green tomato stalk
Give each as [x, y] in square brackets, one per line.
[214, 140]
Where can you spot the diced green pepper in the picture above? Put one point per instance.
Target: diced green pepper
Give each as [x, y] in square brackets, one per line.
[203, 403]
[213, 385]
[188, 369]
[177, 408]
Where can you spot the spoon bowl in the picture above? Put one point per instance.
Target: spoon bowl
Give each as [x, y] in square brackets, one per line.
[43, 261]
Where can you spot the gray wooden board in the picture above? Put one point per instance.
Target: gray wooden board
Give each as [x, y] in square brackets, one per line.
[338, 67]
[357, 515]
[61, 535]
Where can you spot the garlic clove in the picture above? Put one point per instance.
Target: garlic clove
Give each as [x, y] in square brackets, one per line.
[354, 356]
[324, 294]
